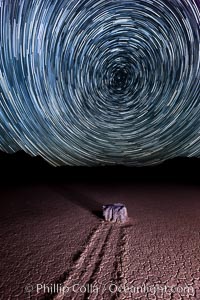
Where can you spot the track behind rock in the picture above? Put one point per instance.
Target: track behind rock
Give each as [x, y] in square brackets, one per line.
[102, 267]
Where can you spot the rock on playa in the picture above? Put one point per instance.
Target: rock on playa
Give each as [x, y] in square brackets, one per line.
[116, 212]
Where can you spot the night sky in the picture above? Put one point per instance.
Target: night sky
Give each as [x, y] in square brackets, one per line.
[100, 82]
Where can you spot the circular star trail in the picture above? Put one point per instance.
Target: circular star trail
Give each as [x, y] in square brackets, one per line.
[100, 82]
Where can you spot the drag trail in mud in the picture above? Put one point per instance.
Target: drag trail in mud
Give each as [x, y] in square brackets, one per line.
[102, 266]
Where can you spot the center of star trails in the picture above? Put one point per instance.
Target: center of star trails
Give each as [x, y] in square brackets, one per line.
[119, 80]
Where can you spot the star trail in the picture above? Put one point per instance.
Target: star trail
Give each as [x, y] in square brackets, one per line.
[100, 82]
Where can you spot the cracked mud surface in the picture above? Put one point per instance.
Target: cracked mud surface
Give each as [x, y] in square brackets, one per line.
[53, 239]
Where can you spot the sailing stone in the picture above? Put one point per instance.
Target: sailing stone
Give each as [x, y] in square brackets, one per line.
[116, 212]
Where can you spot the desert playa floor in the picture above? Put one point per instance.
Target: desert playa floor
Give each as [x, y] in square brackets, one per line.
[55, 245]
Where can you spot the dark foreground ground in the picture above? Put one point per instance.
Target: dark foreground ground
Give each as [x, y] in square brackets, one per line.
[55, 245]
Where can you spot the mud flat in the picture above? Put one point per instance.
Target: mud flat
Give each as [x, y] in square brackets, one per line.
[55, 244]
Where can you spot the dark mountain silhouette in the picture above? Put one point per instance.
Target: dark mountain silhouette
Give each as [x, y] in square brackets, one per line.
[20, 167]
[21, 160]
